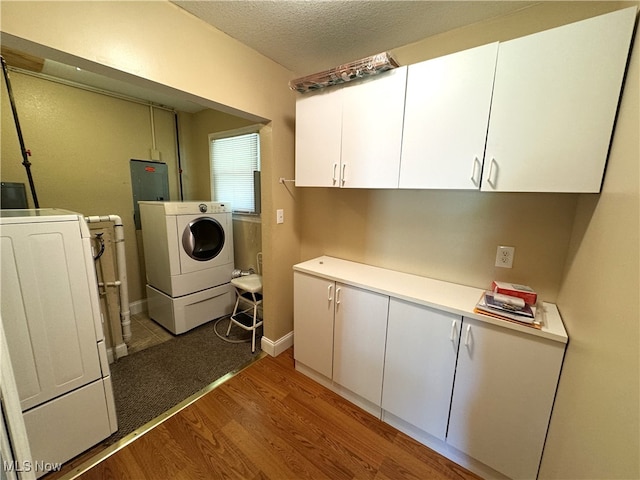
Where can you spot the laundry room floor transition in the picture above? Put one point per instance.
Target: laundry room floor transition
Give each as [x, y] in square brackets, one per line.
[163, 370]
[145, 333]
[150, 381]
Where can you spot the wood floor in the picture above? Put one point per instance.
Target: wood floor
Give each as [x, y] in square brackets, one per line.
[269, 421]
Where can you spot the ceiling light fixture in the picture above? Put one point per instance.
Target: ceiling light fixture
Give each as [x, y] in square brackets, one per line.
[365, 67]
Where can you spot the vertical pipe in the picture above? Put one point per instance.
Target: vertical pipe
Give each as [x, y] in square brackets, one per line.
[25, 152]
[125, 313]
[153, 128]
[175, 116]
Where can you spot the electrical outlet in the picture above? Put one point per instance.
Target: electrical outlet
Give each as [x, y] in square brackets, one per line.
[280, 215]
[504, 256]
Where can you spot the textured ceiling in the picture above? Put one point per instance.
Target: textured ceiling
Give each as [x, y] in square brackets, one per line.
[308, 36]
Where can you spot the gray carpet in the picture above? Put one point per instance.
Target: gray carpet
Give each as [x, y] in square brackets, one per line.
[150, 382]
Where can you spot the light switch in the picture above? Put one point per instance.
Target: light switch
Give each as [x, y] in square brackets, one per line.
[280, 215]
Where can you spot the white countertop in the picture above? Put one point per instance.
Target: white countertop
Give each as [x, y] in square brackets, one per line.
[450, 297]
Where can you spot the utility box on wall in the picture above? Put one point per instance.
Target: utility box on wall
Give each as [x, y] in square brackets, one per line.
[149, 181]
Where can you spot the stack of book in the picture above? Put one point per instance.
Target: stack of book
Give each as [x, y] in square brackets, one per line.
[506, 301]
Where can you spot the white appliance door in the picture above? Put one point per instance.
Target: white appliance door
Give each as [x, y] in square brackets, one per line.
[14, 444]
[203, 242]
[46, 309]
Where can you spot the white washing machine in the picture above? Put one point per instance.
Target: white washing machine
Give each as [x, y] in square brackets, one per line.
[51, 315]
[188, 250]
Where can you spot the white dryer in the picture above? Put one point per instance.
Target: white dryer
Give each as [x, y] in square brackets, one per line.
[188, 250]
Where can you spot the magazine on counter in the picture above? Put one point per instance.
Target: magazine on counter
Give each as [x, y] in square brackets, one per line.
[488, 305]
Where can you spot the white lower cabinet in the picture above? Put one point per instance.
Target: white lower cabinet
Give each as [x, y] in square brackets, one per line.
[340, 333]
[503, 395]
[420, 361]
[359, 341]
[478, 390]
[313, 322]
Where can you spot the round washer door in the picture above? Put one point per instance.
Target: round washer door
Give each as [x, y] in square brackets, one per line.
[203, 239]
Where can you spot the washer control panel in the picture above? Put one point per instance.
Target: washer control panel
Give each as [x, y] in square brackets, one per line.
[193, 208]
[218, 207]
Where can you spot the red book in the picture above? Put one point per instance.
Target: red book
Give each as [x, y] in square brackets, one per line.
[515, 290]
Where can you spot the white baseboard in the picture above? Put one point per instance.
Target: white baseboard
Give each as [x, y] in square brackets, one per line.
[275, 348]
[138, 306]
[120, 351]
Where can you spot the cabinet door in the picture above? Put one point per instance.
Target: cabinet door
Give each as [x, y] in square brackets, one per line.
[446, 118]
[554, 104]
[318, 138]
[420, 361]
[372, 117]
[359, 340]
[313, 306]
[503, 395]
[47, 310]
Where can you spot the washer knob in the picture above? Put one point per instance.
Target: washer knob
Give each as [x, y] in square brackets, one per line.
[202, 207]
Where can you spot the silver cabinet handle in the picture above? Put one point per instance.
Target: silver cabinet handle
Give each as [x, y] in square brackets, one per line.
[335, 166]
[344, 165]
[467, 337]
[474, 171]
[491, 180]
[453, 331]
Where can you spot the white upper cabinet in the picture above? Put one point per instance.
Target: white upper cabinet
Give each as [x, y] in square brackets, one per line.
[445, 121]
[318, 138]
[534, 114]
[372, 115]
[350, 136]
[554, 104]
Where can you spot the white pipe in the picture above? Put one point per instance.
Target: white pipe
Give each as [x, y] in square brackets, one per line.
[153, 128]
[118, 228]
[89, 88]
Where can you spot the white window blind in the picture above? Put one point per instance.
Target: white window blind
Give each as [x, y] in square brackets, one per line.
[233, 161]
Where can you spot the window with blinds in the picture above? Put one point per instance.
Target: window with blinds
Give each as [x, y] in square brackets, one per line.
[235, 167]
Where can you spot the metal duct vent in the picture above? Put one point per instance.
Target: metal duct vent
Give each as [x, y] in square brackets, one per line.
[345, 73]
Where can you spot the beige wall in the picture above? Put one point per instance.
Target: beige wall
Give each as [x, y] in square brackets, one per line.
[447, 235]
[450, 235]
[247, 230]
[67, 147]
[596, 423]
[129, 41]
[82, 143]
[197, 168]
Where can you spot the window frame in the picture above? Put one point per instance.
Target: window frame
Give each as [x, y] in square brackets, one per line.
[212, 137]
